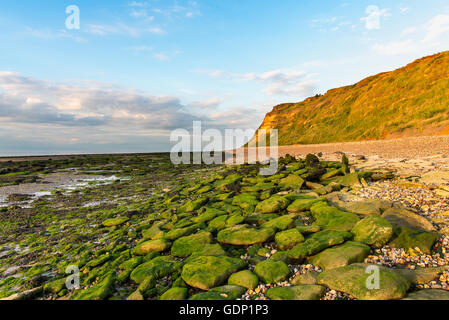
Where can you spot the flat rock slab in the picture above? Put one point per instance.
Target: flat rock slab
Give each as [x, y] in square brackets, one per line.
[348, 253]
[206, 272]
[366, 282]
[400, 217]
[429, 294]
[302, 292]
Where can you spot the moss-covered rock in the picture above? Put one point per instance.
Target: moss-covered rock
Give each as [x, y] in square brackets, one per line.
[157, 268]
[175, 294]
[55, 286]
[410, 240]
[429, 294]
[98, 292]
[272, 205]
[400, 217]
[286, 240]
[247, 202]
[152, 246]
[340, 256]
[245, 279]
[280, 223]
[301, 205]
[359, 280]
[317, 243]
[242, 235]
[307, 278]
[191, 206]
[115, 221]
[270, 271]
[229, 292]
[293, 181]
[331, 218]
[208, 215]
[373, 230]
[206, 272]
[301, 292]
[185, 246]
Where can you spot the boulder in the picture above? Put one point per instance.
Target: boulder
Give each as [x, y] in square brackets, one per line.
[246, 279]
[175, 294]
[409, 239]
[302, 292]
[272, 205]
[331, 218]
[280, 223]
[286, 240]
[242, 235]
[220, 293]
[206, 272]
[156, 268]
[301, 205]
[185, 246]
[400, 217]
[373, 230]
[270, 271]
[340, 256]
[152, 246]
[359, 281]
[306, 278]
[317, 243]
[429, 294]
[422, 275]
[115, 221]
[293, 181]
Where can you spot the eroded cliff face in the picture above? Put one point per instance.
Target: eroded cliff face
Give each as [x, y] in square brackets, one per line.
[410, 101]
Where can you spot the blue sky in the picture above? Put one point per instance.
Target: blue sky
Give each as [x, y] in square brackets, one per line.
[135, 70]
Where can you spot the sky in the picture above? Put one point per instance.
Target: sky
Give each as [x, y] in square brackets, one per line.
[119, 76]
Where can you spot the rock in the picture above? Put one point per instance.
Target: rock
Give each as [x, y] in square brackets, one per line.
[302, 292]
[242, 235]
[185, 246]
[331, 174]
[182, 232]
[272, 205]
[218, 223]
[293, 181]
[270, 271]
[306, 278]
[359, 280]
[135, 296]
[348, 253]
[317, 243]
[153, 233]
[208, 272]
[409, 239]
[175, 294]
[192, 205]
[301, 205]
[115, 221]
[422, 275]
[98, 292]
[429, 294]
[245, 279]
[349, 180]
[330, 218]
[55, 286]
[308, 229]
[208, 215]
[210, 250]
[373, 230]
[246, 201]
[286, 240]
[280, 223]
[221, 293]
[157, 268]
[365, 207]
[435, 177]
[400, 217]
[152, 246]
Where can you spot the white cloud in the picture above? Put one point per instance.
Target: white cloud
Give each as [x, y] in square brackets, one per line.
[404, 9]
[297, 84]
[395, 48]
[372, 21]
[437, 27]
[211, 103]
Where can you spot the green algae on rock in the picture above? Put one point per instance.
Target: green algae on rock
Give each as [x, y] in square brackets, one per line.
[243, 235]
[301, 292]
[206, 272]
[270, 271]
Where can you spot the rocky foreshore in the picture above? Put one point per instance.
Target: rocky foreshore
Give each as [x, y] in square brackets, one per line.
[319, 229]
